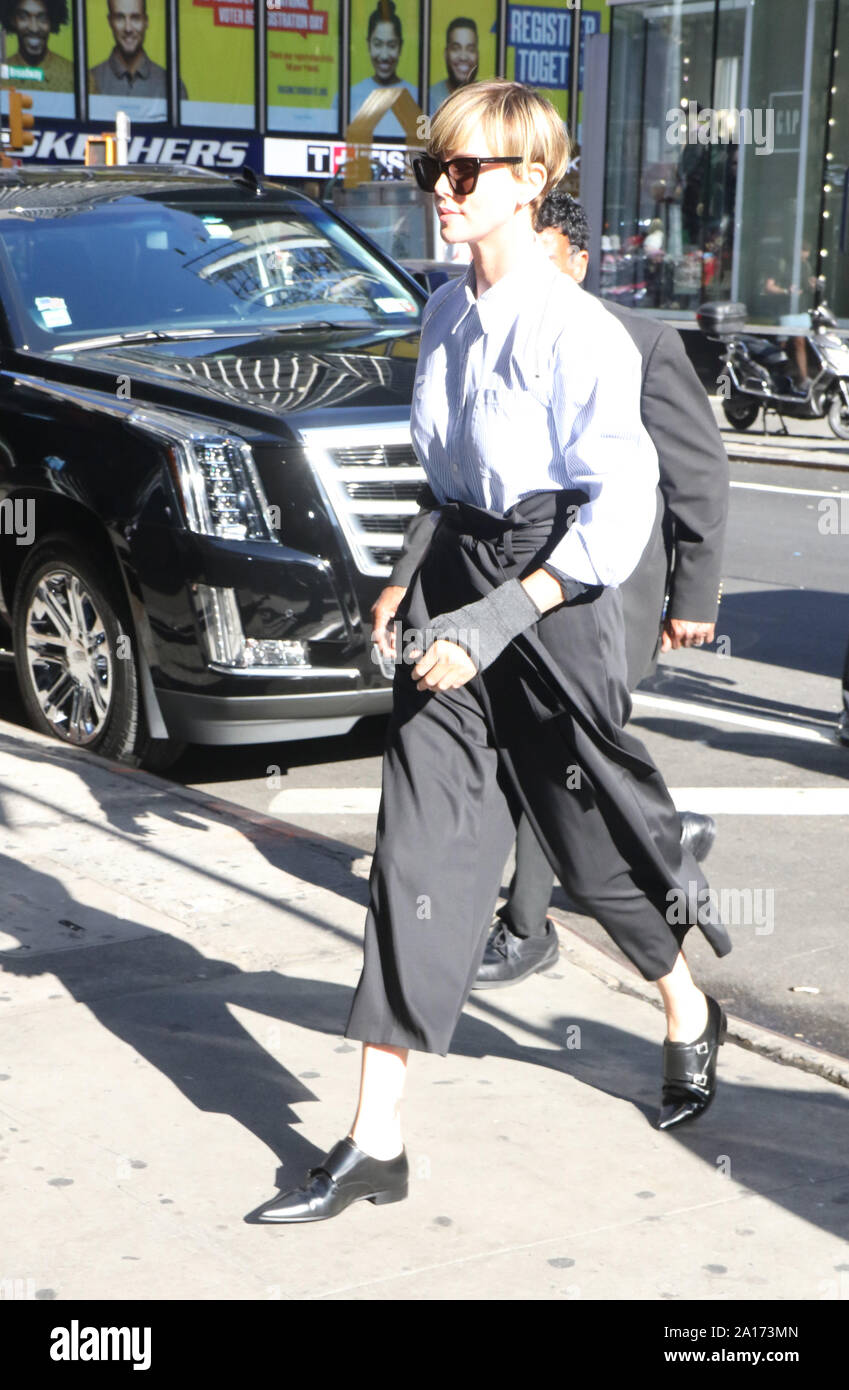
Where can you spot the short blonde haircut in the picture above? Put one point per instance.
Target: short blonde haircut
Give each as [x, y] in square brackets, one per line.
[514, 119]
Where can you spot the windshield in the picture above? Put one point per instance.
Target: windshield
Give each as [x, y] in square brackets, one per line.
[137, 263]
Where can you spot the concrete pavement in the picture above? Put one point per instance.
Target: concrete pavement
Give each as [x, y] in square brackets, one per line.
[175, 975]
[807, 444]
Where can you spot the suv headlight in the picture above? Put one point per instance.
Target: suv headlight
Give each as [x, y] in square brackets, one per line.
[216, 478]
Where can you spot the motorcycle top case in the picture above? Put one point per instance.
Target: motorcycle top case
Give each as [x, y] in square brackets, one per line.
[721, 318]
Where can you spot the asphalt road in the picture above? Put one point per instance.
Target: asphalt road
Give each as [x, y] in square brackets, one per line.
[743, 730]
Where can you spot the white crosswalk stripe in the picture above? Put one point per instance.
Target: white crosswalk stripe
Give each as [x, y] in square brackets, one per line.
[712, 801]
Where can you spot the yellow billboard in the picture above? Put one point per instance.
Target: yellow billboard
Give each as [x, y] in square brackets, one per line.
[463, 46]
[303, 66]
[384, 54]
[217, 63]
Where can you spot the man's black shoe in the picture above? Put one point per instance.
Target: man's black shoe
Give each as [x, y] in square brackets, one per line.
[509, 958]
[843, 729]
[697, 833]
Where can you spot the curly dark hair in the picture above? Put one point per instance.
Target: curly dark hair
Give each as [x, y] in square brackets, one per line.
[57, 13]
[564, 212]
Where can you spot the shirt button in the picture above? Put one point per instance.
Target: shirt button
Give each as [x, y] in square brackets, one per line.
[455, 468]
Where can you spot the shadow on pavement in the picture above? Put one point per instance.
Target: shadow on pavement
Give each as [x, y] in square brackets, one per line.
[170, 1004]
[801, 629]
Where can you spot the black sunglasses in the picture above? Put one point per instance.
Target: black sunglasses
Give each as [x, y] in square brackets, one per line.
[462, 173]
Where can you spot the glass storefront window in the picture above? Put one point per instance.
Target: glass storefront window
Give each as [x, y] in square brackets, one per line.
[39, 40]
[834, 254]
[717, 120]
[217, 63]
[776, 244]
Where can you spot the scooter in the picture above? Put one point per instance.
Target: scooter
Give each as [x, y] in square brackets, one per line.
[756, 372]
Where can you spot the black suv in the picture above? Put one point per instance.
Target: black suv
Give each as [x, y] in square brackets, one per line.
[205, 460]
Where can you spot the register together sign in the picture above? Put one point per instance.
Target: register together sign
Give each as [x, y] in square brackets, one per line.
[541, 38]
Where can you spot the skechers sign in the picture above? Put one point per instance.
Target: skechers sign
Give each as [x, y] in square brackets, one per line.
[59, 143]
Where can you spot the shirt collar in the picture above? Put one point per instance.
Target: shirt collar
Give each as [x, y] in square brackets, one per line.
[502, 301]
[120, 69]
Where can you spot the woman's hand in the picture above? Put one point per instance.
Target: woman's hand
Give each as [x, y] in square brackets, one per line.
[444, 666]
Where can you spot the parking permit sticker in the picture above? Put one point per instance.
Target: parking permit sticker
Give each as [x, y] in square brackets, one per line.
[395, 306]
[54, 311]
[217, 227]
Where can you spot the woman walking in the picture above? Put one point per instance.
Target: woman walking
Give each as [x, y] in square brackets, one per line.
[511, 695]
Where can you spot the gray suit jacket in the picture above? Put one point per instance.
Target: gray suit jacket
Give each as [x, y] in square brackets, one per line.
[683, 556]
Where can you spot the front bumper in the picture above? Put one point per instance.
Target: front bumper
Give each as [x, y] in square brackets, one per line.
[238, 719]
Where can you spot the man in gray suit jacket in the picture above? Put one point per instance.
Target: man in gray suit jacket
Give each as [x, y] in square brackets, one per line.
[680, 567]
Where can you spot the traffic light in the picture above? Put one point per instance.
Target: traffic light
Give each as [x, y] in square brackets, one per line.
[20, 121]
[101, 149]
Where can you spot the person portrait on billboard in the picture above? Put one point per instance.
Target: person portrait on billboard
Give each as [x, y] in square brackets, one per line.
[461, 60]
[385, 40]
[128, 71]
[32, 22]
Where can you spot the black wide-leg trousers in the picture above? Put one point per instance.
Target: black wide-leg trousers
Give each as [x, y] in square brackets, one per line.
[539, 731]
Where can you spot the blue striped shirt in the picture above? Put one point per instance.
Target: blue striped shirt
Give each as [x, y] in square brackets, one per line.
[535, 386]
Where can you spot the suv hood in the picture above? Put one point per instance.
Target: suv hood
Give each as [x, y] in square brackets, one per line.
[258, 378]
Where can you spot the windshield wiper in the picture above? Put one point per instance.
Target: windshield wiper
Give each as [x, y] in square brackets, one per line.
[259, 330]
[149, 335]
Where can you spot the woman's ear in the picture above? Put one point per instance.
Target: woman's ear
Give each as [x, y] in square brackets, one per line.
[534, 181]
[537, 173]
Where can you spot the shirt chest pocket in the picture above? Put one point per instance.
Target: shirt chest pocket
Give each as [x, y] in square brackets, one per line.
[509, 424]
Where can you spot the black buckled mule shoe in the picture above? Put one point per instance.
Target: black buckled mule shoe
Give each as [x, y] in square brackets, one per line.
[689, 1071]
[344, 1176]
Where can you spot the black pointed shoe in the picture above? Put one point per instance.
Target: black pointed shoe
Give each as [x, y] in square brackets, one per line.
[689, 1071]
[508, 958]
[697, 833]
[344, 1176]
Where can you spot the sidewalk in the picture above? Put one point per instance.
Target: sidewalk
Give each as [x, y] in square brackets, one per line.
[808, 443]
[175, 981]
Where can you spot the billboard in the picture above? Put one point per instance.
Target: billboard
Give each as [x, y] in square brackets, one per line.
[217, 63]
[126, 59]
[463, 46]
[39, 46]
[303, 65]
[539, 45]
[384, 53]
[63, 142]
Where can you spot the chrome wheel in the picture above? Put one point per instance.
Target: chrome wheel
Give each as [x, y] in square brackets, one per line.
[69, 659]
[838, 416]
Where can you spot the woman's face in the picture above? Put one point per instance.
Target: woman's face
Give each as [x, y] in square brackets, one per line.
[384, 48]
[496, 200]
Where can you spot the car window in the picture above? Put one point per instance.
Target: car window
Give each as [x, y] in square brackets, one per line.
[135, 263]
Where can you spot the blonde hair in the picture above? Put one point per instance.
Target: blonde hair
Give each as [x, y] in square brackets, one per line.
[515, 121]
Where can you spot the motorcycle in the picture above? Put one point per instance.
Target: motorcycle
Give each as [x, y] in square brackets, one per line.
[756, 372]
